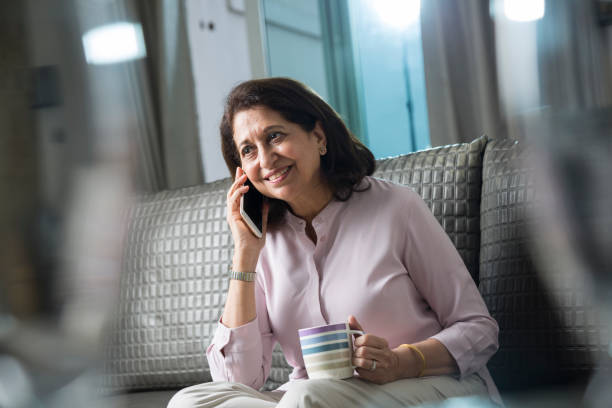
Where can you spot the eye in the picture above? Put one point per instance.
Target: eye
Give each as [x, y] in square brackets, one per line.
[246, 150]
[275, 136]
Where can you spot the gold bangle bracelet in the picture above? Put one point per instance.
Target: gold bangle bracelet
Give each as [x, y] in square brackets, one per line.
[420, 354]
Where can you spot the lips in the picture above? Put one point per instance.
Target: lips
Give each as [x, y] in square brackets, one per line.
[278, 176]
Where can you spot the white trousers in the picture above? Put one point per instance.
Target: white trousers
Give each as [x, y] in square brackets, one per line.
[333, 394]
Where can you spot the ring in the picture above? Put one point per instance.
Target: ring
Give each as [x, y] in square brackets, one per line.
[373, 365]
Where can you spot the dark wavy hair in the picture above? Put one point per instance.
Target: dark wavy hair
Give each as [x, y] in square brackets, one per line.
[347, 160]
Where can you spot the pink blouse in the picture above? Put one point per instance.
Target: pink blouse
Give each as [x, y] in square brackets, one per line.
[380, 256]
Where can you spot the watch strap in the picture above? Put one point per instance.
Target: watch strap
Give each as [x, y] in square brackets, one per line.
[242, 276]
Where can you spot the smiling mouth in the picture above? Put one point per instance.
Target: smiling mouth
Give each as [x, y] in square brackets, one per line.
[278, 176]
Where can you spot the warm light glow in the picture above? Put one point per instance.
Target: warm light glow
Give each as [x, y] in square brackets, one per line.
[114, 43]
[398, 13]
[524, 10]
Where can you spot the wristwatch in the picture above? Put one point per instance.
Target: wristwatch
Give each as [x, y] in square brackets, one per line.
[243, 276]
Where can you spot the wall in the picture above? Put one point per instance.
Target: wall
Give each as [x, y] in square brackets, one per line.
[220, 58]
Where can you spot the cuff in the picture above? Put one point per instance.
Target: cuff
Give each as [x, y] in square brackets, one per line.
[238, 339]
[458, 346]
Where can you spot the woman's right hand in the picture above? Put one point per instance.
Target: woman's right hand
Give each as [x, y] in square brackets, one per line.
[246, 245]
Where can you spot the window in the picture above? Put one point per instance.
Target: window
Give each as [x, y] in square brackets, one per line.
[359, 57]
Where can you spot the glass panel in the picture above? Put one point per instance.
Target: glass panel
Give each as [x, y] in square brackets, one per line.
[295, 43]
[389, 54]
[361, 58]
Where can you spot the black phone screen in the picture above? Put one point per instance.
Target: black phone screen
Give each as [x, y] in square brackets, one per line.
[253, 205]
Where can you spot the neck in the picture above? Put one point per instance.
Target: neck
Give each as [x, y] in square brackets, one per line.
[309, 206]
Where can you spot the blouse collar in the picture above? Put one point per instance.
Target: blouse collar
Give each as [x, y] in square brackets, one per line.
[324, 216]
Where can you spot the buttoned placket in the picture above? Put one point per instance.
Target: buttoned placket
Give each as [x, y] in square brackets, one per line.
[321, 227]
[314, 303]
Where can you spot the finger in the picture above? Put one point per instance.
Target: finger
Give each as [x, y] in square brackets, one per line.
[365, 374]
[240, 179]
[372, 341]
[238, 182]
[235, 197]
[375, 377]
[234, 200]
[370, 353]
[364, 363]
[354, 324]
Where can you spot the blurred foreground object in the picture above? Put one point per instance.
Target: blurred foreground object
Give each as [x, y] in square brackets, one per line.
[555, 79]
[66, 179]
[574, 218]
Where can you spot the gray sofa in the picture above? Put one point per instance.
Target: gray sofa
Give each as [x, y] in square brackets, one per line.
[178, 251]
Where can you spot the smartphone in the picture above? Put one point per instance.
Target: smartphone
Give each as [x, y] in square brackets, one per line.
[251, 209]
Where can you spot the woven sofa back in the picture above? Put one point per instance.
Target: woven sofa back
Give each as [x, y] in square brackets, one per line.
[550, 331]
[179, 249]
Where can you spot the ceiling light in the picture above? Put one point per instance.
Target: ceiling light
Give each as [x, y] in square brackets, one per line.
[524, 10]
[398, 13]
[114, 43]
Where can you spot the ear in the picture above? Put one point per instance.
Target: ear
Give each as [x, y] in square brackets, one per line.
[319, 134]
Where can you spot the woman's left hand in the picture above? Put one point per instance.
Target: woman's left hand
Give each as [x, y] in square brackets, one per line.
[375, 361]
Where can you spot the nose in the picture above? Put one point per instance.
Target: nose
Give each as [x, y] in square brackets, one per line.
[267, 158]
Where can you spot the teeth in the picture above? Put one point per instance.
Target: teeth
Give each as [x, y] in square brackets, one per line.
[278, 175]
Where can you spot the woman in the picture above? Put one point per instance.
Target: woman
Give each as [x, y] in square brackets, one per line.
[337, 243]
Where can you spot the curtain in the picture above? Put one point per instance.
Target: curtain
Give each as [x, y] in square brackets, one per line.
[460, 74]
[163, 93]
[346, 91]
[575, 70]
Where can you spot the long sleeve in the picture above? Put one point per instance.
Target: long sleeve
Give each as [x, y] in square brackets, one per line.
[434, 265]
[380, 256]
[243, 354]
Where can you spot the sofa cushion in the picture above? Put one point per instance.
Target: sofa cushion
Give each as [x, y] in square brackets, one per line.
[549, 329]
[449, 179]
[172, 289]
[178, 250]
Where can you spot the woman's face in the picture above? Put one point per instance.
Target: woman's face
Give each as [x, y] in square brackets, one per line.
[280, 158]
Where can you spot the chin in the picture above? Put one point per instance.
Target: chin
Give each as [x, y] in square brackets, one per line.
[279, 195]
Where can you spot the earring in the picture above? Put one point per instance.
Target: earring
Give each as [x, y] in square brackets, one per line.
[322, 150]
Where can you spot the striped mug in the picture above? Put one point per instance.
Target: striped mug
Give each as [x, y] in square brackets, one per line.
[328, 350]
